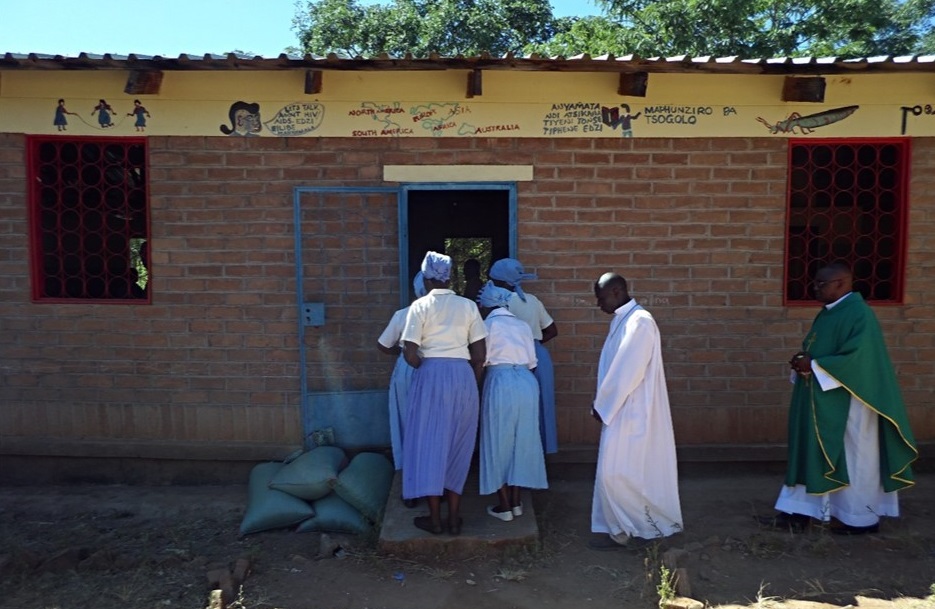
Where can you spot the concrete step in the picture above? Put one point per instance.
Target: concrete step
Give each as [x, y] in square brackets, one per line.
[481, 534]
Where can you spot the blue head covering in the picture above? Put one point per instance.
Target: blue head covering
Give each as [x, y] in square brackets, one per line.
[511, 271]
[436, 266]
[418, 285]
[492, 296]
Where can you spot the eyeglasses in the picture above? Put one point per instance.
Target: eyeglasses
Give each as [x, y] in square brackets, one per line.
[820, 284]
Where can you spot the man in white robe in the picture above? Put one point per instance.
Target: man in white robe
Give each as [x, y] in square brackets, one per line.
[636, 487]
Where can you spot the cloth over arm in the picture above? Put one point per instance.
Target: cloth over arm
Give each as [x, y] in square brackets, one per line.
[627, 368]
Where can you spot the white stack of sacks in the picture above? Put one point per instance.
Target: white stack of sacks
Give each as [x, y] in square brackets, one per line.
[319, 491]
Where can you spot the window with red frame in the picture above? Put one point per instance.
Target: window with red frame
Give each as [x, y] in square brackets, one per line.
[847, 202]
[89, 219]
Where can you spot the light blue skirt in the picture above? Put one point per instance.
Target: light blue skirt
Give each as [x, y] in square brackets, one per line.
[441, 427]
[545, 374]
[510, 445]
[399, 406]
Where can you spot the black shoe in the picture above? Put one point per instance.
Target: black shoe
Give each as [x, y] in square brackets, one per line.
[604, 543]
[846, 529]
[781, 521]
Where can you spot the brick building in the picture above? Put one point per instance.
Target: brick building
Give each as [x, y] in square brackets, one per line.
[198, 254]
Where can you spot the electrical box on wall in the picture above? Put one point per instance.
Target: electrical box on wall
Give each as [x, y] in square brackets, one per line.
[313, 313]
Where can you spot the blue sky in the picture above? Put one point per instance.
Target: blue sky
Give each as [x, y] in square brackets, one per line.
[164, 27]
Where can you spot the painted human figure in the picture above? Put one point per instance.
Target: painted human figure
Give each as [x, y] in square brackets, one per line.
[61, 120]
[245, 120]
[103, 110]
[626, 121]
[141, 115]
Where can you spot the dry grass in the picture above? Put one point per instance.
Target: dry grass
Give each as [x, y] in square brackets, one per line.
[511, 575]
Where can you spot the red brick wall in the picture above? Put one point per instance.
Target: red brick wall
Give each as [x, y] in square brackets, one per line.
[695, 225]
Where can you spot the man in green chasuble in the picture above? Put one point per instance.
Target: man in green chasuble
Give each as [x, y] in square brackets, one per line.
[850, 446]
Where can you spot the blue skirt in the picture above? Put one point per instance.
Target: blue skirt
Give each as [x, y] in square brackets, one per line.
[399, 406]
[510, 445]
[441, 427]
[545, 374]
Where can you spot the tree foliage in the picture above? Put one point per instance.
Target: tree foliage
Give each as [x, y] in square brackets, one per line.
[647, 28]
[421, 27]
[462, 249]
[772, 28]
[594, 35]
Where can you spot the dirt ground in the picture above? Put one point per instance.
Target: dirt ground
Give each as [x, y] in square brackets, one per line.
[109, 547]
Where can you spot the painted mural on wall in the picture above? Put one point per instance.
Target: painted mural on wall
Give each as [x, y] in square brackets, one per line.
[918, 110]
[434, 119]
[574, 119]
[104, 113]
[141, 114]
[61, 116]
[586, 119]
[244, 120]
[379, 119]
[390, 119]
[797, 124]
[299, 118]
[614, 117]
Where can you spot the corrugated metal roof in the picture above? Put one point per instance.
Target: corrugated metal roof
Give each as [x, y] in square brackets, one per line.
[577, 63]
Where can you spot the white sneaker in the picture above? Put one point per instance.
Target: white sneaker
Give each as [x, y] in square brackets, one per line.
[518, 510]
[504, 516]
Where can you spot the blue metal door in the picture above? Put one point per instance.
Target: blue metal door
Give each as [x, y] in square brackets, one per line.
[352, 259]
[346, 244]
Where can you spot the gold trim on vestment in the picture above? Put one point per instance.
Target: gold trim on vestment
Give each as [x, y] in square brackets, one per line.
[827, 474]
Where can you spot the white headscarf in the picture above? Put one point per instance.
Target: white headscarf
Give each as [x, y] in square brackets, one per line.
[492, 296]
[511, 271]
[418, 285]
[436, 266]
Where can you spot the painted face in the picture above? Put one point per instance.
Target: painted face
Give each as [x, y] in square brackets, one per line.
[248, 122]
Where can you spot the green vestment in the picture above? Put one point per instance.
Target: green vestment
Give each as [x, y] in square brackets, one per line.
[846, 341]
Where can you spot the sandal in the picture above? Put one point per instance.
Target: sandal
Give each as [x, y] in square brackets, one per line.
[425, 523]
[456, 530]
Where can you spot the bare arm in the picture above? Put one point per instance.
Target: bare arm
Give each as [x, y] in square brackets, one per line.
[549, 332]
[411, 354]
[394, 350]
[478, 351]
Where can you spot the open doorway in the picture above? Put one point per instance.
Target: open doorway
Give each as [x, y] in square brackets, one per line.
[463, 223]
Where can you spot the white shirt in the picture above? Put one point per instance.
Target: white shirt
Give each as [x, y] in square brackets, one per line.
[532, 312]
[509, 340]
[394, 330]
[443, 324]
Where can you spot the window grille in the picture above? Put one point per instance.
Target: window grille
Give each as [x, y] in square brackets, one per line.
[847, 202]
[89, 218]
